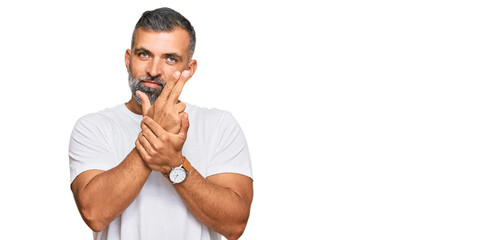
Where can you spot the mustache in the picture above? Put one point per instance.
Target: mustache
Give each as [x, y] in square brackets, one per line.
[156, 79]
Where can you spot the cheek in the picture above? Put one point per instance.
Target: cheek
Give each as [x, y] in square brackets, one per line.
[169, 72]
[137, 68]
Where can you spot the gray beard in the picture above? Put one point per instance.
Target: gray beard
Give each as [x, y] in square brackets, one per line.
[152, 93]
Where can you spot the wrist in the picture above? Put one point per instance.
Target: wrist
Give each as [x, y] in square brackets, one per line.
[180, 172]
[180, 161]
[175, 162]
[186, 164]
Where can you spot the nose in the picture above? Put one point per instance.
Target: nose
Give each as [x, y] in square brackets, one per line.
[153, 68]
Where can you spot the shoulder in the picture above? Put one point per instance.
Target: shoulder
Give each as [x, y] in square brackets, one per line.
[212, 121]
[208, 116]
[102, 118]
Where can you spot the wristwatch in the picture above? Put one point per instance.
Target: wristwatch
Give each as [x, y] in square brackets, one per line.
[178, 174]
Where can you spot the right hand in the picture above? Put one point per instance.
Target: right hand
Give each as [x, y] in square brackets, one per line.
[160, 149]
[167, 110]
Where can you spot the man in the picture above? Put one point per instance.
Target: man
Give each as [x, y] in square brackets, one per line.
[139, 171]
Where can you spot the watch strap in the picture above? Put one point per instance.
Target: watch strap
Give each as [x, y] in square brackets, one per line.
[186, 165]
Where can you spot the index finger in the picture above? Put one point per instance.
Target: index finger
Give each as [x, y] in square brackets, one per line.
[169, 86]
[177, 89]
[153, 126]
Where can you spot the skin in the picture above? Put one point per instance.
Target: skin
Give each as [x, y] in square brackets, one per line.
[221, 201]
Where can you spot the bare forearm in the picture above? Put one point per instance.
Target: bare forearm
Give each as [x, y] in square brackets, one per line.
[222, 201]
[109, 193]
[219, 208]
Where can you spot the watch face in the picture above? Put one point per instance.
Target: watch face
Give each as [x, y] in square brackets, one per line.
[177, 175]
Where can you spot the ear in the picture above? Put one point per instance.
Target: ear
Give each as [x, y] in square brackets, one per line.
[127, 58]
[192, 67]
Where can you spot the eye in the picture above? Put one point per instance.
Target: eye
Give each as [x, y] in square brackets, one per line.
[171, 59]
[143, 55]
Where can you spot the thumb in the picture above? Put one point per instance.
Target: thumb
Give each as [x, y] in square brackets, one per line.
[185, 125]
[145, 102]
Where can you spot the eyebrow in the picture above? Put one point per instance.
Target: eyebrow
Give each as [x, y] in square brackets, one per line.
[138, 50]
[165, 55]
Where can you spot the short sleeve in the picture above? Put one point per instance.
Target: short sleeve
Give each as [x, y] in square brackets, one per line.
[230, 153]
[89, 148]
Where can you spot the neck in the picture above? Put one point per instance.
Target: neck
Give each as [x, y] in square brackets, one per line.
[133, 106]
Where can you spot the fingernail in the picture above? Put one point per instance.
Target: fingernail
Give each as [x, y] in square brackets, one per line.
[186, 73]
[177, 74]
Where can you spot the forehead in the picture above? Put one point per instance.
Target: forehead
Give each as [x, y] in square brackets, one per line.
[160, 42]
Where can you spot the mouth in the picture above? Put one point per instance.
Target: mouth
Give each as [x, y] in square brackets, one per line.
[151, 84]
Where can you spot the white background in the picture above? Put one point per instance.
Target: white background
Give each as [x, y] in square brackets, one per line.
[365, 119]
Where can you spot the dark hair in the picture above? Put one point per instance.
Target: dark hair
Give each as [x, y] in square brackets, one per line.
[166, 19]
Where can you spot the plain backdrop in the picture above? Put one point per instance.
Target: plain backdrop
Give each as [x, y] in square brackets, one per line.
[365, 119]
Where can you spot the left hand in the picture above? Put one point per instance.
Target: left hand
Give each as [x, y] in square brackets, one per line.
[160, 149]
[167, 109]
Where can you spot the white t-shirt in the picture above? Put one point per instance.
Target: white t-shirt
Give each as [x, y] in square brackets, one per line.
[215, 144]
